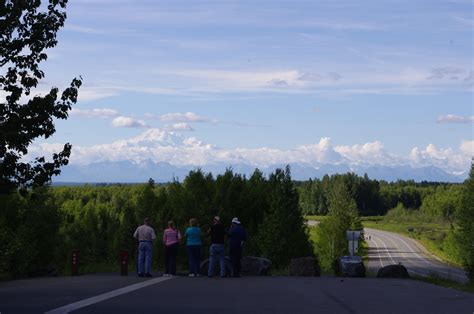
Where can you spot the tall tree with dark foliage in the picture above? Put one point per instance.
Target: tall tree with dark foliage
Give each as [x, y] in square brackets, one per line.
[27, 29]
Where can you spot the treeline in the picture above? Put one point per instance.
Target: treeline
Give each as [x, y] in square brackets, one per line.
[39, 230]
[376, 198]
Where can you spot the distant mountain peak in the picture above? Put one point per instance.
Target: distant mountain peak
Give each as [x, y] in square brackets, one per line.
[157, 137]
[126, 171]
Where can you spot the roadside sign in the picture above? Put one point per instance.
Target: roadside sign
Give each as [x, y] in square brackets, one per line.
[353, 247]
[352, 235]
[353, 241]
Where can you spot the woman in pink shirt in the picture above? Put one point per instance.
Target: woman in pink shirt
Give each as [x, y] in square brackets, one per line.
[171, 238]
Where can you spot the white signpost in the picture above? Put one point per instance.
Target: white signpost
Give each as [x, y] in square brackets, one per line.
[353, 240]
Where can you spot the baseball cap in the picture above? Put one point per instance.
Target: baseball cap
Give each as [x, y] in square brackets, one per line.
[236, 220]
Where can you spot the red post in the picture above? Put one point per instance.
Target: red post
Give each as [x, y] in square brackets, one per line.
[75, 262]
[124, 263]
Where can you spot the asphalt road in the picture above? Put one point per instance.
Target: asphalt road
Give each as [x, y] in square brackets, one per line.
[387, 248]
[230, 295]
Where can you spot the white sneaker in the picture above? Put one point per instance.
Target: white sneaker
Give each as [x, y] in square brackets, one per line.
[191, 275]
[166, 275]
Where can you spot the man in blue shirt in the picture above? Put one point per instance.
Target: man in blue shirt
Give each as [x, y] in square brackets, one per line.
[237, 238]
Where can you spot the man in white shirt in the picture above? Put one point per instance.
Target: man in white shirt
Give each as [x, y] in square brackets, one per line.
[145, 236]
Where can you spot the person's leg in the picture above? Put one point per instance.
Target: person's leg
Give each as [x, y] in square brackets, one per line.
[189, 249]
[141, 258]
[195, 253]
[238, 260]
[212, 260]
[197, 259]
[167, 260]
[174, 253]
[233, 260]
[222, 259]
[148, 254]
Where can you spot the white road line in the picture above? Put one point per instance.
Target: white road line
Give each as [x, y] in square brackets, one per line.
[428, 261]
[395, 245]
[390, 236]
[386, 237]
[388, 252]
[108, 295]
[409, 270]
[377, 252]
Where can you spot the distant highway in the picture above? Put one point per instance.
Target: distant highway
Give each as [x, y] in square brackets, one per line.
[387, 248]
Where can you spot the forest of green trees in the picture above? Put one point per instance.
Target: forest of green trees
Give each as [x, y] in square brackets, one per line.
[375, 198]
[40, 229]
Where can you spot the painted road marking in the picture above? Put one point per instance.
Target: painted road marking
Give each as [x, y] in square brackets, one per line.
[105, 296]
[387, 238]
[380, 257]
[377, 254]
[398, 241]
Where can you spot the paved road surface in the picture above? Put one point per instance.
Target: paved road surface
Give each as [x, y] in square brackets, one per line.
[260, 295]
[387, 248]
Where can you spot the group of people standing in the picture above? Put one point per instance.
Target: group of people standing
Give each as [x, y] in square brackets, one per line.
[172, 238]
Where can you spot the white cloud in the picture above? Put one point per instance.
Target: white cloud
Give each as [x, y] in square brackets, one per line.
[169, 146]
[331, 79]
[447, 158]
[128, 122]
[240, 80]
[322, 152]
[278, 82]
[82, 29]
[387, 79]
[94, 93]
[464, 20]
[467, 147]
[368, 153]
[181, 117]
[182, 126]
[448, 72]
[451, 118]
[95, 113]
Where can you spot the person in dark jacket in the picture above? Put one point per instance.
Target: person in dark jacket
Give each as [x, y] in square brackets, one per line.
[237, 238]
[217, 249]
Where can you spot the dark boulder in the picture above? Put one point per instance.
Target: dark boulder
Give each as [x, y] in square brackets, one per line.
[305, 266]
[393, 271]
[350, 266]
[256, 266]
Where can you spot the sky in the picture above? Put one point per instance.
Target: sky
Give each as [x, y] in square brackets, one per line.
[198, 82]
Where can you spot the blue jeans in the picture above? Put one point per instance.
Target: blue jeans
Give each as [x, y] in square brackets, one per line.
[194, 256]
[217, 254]
[144, 257]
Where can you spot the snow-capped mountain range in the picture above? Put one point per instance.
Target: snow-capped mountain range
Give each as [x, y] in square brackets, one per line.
[162, 155]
